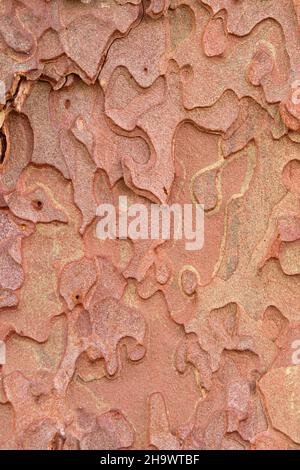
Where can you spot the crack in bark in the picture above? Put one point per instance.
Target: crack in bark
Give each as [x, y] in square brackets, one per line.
[3, 146]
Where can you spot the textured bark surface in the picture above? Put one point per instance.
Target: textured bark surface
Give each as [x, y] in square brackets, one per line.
[142, 344]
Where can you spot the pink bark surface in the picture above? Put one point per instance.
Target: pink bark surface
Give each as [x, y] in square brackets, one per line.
[143, 344]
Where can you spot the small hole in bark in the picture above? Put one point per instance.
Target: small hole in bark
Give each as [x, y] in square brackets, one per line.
[76, 298]
[37, 205]
[67, 104]
[145, 69]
